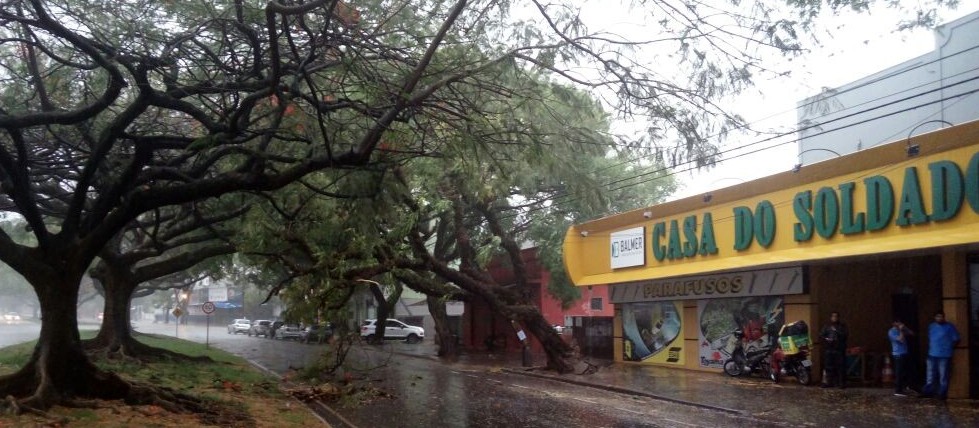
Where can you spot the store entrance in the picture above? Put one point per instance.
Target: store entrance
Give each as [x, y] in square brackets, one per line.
[905, 307]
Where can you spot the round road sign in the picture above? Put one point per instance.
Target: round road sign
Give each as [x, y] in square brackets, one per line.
[208, 308]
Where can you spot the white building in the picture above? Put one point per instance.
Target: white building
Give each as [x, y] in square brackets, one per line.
[932, 91]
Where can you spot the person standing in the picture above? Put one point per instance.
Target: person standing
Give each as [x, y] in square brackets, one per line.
[898, 335]
[942, 338]
[834, 336]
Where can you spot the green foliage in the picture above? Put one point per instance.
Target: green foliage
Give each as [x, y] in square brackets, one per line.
[327, 111]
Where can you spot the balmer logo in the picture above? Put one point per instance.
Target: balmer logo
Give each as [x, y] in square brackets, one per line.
[626, 246]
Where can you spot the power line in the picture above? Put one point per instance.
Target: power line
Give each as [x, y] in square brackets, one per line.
[555, 200]
[855, 87]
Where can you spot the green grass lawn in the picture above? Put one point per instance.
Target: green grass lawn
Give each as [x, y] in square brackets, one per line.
[226, 381]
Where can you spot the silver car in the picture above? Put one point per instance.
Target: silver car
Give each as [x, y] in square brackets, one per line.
[260, 328]
[240, 325]
[288, 331]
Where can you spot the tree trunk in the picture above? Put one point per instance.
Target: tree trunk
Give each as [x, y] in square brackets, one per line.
[115, 334]
[558, 352]
[447, 340]
[59, 370]
[382, 314]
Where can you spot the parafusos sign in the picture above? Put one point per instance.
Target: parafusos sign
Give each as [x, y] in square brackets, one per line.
[767, 282]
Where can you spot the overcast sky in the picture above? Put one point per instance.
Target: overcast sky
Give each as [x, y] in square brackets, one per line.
[851, 46]
[860, 45]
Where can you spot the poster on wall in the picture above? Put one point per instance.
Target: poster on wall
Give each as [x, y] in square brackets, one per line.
[720, 317]
[653, 332]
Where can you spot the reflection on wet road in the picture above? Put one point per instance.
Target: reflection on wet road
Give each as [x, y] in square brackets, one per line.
[429, 393]
[425, 392]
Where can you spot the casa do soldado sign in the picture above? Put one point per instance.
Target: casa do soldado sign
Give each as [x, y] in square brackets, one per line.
[829, 211]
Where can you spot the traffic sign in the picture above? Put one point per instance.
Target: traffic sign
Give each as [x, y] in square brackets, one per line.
[208, 308]
[177, 312]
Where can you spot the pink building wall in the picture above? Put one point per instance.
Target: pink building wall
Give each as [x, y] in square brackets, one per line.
[479, 322]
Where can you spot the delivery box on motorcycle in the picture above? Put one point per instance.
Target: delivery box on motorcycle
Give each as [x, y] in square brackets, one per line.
[792, 337]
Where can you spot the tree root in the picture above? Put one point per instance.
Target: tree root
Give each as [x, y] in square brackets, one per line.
[92, 385]
[13, 407]
[165, 398]
[133, 350]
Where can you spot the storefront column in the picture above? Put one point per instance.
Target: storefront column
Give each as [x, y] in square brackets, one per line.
[618, 350]
[955, 303]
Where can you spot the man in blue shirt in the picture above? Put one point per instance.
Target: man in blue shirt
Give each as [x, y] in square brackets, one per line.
[942, 338]
[898, 335]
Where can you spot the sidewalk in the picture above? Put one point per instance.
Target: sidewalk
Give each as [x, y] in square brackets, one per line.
[784, 403]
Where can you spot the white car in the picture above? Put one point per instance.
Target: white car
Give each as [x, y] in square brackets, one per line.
[11, 318]
[394, 330]
[240, 325]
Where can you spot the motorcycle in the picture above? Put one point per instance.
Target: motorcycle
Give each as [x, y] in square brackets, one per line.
[792, 356]
[751, 359]
[797, 364]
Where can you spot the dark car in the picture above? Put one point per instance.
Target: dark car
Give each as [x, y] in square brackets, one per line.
[287, 331]
[316, 333]
[260, 328]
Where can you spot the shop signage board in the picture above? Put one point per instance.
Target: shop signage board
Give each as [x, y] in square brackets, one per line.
[628, 247]
[768, 282]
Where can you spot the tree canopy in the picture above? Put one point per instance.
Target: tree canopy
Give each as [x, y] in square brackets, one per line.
[112, 110]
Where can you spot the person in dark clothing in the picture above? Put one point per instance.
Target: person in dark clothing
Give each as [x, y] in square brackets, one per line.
[834, 336]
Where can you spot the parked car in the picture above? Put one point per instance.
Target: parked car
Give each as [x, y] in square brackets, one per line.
[260, 328]
[287, 331]
[316, 333]
[393, 330]
[240, 325]
[11, 318]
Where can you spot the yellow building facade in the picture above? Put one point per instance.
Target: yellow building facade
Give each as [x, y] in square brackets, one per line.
[884, 232]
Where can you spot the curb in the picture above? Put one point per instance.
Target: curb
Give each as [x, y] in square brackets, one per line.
[611, 388]
[309, 405]
[627, 391]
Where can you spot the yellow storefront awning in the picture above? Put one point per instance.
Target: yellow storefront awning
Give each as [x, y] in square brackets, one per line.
[880, 200]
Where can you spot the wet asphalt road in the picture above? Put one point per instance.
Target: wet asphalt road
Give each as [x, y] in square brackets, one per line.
[425, 392]
[436, 394]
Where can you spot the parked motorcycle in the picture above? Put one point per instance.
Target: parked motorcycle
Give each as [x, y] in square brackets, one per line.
[797, 364]
[792, 356]
[746, 360]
